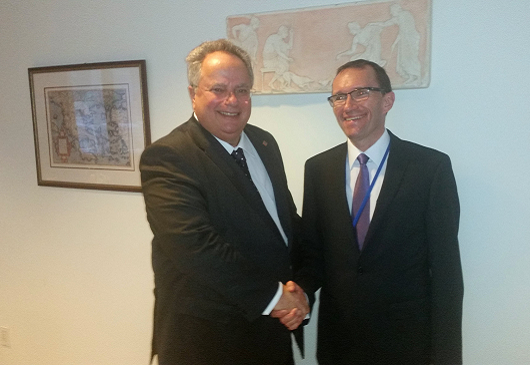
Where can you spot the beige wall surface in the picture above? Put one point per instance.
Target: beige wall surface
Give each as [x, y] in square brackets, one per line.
[75, 274]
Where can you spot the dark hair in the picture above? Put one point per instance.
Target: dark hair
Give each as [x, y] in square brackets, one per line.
[198, 54]
[380, 73]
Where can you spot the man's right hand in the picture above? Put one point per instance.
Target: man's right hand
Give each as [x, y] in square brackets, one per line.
[292, 308]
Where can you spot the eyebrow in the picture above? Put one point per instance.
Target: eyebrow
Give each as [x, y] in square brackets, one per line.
[226, 85]
[356, 88]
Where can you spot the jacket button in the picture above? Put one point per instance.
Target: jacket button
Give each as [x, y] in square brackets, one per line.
[360, 270]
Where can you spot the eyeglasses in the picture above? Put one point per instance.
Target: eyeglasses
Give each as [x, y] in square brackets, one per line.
[359, 94]
[241, 93]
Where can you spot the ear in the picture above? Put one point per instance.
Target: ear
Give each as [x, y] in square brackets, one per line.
[388, 101]
[191, 91]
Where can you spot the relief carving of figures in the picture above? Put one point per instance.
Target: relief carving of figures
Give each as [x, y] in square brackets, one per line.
[297, 51]
[370, 38]
[407, 43]
[246, 37]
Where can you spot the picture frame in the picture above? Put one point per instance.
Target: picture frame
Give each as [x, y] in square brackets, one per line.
[90, 123]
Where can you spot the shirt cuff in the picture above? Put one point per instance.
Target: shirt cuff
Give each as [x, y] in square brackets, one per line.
[274, 300]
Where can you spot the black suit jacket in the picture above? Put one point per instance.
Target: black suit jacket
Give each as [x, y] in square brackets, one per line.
[216, 252]
[399, 301]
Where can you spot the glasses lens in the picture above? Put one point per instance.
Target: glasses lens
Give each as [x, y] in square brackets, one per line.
[338, 99]
[243, 94]
[360, 94]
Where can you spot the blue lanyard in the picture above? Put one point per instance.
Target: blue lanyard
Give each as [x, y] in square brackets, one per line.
[367, 196]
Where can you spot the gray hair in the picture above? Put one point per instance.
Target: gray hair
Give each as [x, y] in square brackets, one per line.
[198, 54]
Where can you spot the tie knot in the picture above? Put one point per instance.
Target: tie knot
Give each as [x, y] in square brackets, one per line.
[238, 154]
[363, 159]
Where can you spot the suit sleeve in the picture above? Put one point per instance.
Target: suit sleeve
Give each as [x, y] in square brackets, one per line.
[177, 211]
[446, 272]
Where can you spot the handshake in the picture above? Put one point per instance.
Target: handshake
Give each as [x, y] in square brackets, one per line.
[293, 307]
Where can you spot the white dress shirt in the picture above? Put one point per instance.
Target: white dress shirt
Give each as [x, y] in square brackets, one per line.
[375, 154]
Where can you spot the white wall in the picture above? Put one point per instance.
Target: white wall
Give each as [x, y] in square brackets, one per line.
[75, 275]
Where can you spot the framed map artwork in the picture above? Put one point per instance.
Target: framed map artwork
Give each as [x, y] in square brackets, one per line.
[298, 51]
[90, 123]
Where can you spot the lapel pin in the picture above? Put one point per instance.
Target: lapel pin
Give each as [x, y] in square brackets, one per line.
[265, 143]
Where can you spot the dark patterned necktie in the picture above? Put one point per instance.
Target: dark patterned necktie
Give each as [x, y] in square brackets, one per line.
[361, 187]
[241, 161]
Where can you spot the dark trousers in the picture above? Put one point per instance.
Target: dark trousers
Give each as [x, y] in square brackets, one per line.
[196, 341]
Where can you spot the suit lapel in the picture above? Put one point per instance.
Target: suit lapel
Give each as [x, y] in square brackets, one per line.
[339, 200]
[396, 166]
[337, 179]
[274, 167]
[219, 156]
[333, 180]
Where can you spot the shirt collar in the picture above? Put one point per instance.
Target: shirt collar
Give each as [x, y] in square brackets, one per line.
[244, 142]
[376, 152]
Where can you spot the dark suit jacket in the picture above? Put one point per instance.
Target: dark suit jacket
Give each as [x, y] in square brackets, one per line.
[217, 254]
[399, 301]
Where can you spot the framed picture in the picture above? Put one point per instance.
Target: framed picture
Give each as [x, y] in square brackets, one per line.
[91, 124]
